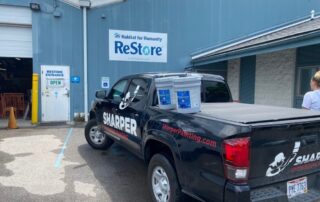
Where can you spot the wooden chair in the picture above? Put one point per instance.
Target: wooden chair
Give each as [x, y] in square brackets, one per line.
[1, 107]
[7, 111]
[15, 100]
[20, 103]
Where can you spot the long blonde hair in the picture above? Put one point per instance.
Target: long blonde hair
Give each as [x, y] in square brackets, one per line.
[316, 78]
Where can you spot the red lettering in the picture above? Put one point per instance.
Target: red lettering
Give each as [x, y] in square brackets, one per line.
[189, 135]
[305, 166]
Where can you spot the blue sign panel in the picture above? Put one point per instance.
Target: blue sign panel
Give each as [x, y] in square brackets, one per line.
[75, 79]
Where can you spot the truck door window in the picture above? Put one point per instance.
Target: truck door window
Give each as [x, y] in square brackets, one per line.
[138, 89]
[117, 92]
[214, 91]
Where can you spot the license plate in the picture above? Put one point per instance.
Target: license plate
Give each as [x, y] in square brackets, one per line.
[297, 187]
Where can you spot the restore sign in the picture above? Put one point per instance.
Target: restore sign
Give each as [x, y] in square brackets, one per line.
[137, 46]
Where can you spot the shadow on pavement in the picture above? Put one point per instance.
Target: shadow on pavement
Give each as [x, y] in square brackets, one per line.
[122, 174]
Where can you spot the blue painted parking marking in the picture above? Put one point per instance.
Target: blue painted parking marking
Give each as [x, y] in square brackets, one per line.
[57, 163]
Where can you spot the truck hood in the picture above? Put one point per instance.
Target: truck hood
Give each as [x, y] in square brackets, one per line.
[251, 114]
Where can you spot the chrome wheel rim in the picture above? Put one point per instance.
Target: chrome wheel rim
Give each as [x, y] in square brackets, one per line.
[160, 184]
[96, 136]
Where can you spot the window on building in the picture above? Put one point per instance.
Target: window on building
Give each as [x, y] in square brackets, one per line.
[304, 76]
[219, 68]
[308, 63]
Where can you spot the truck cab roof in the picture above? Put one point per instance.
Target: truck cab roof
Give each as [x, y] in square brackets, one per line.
[154, 75]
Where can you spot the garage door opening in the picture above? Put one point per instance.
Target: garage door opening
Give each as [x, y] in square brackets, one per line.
[15, 87]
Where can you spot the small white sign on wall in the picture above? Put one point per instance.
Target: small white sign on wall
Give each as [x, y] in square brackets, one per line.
[137, 46]
[105, 82]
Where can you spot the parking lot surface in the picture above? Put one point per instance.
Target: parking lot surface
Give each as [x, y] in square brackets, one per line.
[56, 164]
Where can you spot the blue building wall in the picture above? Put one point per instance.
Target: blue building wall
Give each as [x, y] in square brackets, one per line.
[191, 25]
[57, 41]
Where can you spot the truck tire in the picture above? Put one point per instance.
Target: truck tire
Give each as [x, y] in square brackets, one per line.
[95, 138]
[162, 180]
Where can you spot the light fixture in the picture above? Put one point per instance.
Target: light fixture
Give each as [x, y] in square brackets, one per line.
[18, 59]
[85, 3]
[34, 6]
[1, 69]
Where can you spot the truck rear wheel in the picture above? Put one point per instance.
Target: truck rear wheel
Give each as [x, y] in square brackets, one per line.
[162, 180]
[95, 137]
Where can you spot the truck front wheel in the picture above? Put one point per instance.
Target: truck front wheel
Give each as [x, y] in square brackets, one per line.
[162, 180]
[95, 137]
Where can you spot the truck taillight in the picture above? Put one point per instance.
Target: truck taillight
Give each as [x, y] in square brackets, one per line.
[237, 159]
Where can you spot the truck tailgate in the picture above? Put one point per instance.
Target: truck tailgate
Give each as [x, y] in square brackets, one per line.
[284, 152]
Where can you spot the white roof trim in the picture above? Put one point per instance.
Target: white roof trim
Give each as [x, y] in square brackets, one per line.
[99, 3]
[71, 3]
[210, 52]
[94, 3]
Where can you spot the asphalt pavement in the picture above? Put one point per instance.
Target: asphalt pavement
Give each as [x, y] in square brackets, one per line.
[56, 164]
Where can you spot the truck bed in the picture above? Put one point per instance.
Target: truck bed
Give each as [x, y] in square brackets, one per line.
[251, 114]
[284, 149]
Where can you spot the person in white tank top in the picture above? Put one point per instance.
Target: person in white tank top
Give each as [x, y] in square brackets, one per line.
[311, 100]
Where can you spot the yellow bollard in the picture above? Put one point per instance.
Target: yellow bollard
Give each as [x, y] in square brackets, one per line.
[35, 101]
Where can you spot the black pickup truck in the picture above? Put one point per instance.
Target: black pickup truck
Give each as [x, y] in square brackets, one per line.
[227, 152]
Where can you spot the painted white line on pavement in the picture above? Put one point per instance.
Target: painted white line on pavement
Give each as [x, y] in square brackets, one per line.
[57, 163]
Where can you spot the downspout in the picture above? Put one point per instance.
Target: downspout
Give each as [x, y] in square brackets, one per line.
[85, 64]
[84, 5]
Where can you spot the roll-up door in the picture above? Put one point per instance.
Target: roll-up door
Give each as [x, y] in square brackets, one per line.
[15, 32]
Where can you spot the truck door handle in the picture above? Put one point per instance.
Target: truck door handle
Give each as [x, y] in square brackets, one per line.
[136, 115]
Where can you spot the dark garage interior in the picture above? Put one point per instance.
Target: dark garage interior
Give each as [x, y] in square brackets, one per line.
[15, 86]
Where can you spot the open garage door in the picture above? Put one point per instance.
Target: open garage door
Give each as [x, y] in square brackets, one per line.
[15, 62]
[15, 32]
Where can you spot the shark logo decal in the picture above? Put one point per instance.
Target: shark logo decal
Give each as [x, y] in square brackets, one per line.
[281, 162]
[126, 100]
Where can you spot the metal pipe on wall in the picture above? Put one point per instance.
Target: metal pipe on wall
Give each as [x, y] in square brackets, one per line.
[85, 64]
[85, 4]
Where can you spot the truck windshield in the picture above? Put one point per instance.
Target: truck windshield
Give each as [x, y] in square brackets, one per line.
[213, 91]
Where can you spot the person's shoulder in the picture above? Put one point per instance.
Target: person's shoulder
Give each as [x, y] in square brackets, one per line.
[307, 100]
[308, 94]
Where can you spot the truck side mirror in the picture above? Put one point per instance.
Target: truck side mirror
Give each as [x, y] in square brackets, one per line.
[101, 94]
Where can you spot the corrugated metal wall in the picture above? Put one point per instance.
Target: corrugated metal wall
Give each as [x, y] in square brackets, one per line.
[191, 25]
[57, 41]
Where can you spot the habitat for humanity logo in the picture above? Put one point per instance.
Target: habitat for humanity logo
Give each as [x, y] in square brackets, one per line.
[117, 35]
[137, 46]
